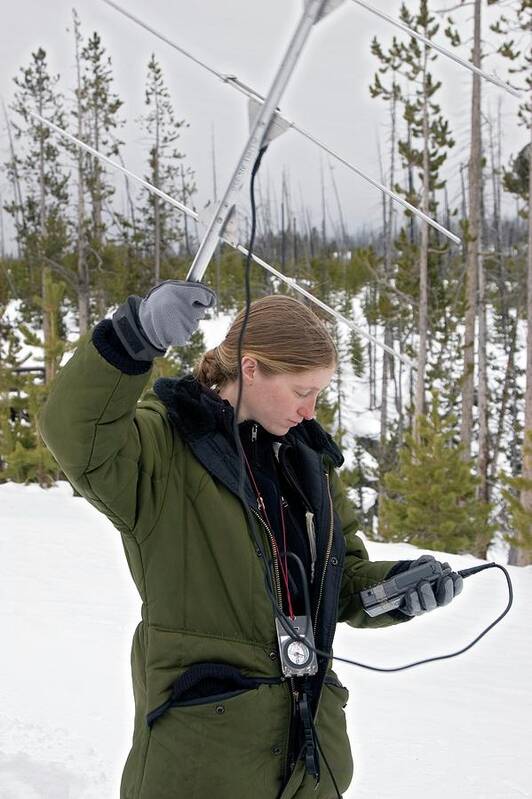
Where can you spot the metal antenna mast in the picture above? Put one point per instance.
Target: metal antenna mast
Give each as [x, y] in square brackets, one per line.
[258, 137]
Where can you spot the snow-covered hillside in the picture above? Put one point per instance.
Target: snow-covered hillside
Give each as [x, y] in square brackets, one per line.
[459, 728]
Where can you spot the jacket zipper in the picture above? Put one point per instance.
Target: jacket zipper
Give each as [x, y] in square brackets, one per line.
[294, 694]
[274, 556]
[309, 521]
[327, 554]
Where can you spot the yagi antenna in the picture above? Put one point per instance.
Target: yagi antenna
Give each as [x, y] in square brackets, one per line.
[255, 99]
[262, 122]
[224, 237]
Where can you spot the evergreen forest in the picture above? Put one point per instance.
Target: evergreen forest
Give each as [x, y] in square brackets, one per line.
[450, 467]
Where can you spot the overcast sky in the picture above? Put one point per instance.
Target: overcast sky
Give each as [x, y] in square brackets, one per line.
[327, 95]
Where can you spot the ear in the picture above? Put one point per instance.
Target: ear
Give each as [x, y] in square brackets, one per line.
[249, 368]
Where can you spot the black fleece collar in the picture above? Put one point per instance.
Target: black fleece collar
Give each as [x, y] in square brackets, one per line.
[197, 411]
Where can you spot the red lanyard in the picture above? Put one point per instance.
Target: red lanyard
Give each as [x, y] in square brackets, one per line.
[262, 508]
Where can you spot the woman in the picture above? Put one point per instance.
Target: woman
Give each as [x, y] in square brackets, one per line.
[216, 715]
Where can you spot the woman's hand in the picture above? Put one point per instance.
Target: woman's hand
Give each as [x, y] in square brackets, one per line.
[424, 596]
[167, 316]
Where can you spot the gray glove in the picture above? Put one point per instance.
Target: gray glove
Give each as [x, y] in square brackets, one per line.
[167, 316]
[426, 596]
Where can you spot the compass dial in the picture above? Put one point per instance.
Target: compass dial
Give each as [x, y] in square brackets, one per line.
[298, 653]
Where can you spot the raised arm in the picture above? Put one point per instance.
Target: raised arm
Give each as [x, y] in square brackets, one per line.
[114, 450]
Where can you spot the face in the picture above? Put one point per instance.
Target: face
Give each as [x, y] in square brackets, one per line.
[280, 402]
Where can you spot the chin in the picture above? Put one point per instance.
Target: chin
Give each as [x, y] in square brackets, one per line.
[277, 429]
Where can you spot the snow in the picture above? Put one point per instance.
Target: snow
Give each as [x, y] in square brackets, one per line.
[460, 727]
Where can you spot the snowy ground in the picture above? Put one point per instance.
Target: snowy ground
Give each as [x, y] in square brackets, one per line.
[460, 728]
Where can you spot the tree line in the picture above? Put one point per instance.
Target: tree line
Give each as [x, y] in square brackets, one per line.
[452, 462]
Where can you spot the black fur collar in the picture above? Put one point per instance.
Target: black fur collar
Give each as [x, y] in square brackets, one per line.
[196, 411]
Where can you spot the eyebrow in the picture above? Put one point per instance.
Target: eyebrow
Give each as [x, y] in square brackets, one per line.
[311, 388]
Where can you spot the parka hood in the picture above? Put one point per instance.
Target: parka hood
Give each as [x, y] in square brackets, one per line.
[197, 411]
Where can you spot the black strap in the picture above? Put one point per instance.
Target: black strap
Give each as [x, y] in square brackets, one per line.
[310, 748]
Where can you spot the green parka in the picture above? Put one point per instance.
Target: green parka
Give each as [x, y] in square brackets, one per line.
[168, 482]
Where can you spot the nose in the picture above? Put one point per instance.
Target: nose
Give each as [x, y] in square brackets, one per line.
[306, 410]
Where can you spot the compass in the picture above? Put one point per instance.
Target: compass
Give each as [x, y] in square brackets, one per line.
[297, 653]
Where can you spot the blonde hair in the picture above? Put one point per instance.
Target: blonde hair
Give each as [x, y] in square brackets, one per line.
[283, 334]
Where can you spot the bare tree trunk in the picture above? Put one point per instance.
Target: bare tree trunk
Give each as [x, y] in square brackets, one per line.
[483, 490]
[97, 220]
[524, 557]
[410, 397]
[495, 157]
[49, 362]
[503, 402]
[419, 408]
[483, 432]
[323, 211]
[384, 378]
[387, 225]
[2, 232]
[463, 192]
[156, 206]
[398, 382]
[283, 239]
[343, 243]
[473, 233]
[98, 189]
[130, 203]
[307, 236]
[339, 384]
[387, 361]
[17, 193]
[217, 252]
[184, 201]
[83, 290]
[464, 206]
[288, 217]
[372, 356]
[411, 225]
[496, 189]
[157, 242]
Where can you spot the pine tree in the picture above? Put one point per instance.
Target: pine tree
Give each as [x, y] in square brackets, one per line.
[473, 236]
[520, 537]
[82, 162]
[426, 150]
[97, 114]
[518, 53]
[40, 212]
[23, 456]
[391, 62]
[430, 497]
[162, 225]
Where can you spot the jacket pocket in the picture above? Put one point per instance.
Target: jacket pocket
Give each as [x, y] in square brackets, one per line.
[219, 745]
[206, 700]
[204, 683]
[332, 679]
[331, 727]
